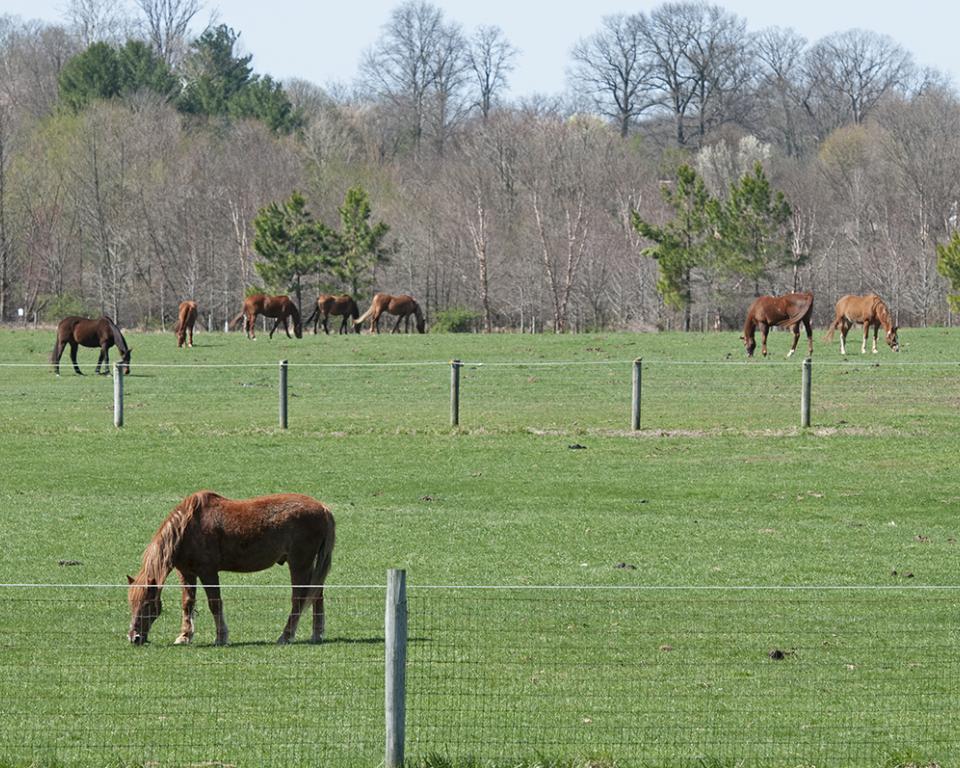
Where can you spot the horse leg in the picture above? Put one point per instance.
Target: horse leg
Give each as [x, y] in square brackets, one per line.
[57, 354]
[795, 330]
[105, 358]
[189, 600]
[190, 335]
[286, 330]
[809, 329]
[211, 585]
[326, 324]
[866, 332]
[396, 325]
[300, 578]
[252, 326]
[876, 329]
[844, 327]
[764, 329]
[73, 357]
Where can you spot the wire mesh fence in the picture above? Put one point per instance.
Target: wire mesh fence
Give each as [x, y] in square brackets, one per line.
[567, 396]
[638, 676]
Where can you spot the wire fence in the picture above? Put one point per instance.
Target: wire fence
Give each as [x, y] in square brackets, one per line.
[633, 676]
[533, 396]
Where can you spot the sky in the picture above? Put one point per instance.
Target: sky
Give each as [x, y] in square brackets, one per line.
[323, 40]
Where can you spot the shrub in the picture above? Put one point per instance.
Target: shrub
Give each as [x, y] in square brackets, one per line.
[455, 320]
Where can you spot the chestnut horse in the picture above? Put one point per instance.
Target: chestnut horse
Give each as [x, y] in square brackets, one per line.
[402, 306]
[340, 306]
[279, 307]
[789, 310]
[186, 318]
[869, 310]
[207, 533]
[82, 331]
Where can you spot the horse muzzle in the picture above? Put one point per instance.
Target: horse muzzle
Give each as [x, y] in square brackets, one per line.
[136, 638]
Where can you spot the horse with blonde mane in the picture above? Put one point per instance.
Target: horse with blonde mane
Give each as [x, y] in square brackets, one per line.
[207, 533]
[279, 307]
[339, 306]
[186, 319]
[789, 310]
[82, 331]
[869, 310]
[402, 306]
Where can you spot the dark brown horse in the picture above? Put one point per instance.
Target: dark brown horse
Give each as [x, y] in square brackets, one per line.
[402, 306]
[207, 533]
[869, 310]
[82, 331]
[340, 306]
[789, 310]
[186, 318]
[279, 307]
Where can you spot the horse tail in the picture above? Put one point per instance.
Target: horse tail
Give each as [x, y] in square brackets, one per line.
[828, 336]
[316, 311]
[321, 566]
[237, 319]
[364, 316]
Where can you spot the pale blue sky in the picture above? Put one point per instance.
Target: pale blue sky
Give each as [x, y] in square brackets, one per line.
[323, 40]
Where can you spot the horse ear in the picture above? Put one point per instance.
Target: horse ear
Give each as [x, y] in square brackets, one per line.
[129, 579]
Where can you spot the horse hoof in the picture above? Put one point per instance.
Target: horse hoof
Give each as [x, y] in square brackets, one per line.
[221, 641]
[283, 640]
[182, 640]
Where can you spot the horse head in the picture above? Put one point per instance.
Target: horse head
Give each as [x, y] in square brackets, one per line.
[145, 607]
[125, 361]
[892, 340]
[750, 343]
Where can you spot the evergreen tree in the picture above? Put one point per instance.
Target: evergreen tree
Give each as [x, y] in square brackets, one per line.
[754, 228]
[948, 265]
[685, 242]
[289, 243]
[356, 251]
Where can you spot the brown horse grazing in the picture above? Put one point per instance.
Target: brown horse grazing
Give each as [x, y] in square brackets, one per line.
[207, 533]
[789, 310]
[82, 331]
[280, 307]
[869, 310]
[403, 306]
[340, 306]
[186, 318]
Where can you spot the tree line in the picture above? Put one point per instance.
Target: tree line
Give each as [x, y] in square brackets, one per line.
[690, 165]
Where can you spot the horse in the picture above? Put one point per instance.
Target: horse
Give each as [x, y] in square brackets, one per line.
[82, 331]
[402, 306]
[343, 306]
[789, 310]
[279, 307]
[869, 310]
[186, 318]
[207, 533]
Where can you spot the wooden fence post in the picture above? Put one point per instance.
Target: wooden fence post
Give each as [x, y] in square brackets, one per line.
[117, 395]
[395, 635]
[283, 394]
[635, 409]
[455, 393]
[805, 393]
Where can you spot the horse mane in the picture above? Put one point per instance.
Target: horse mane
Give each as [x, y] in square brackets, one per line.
[117, 336]
[158, 556]
[883, 314]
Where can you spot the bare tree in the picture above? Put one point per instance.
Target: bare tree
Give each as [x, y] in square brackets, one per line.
[780, 61]
[418, 67]
[490, 58]
[612, 68]
[100, 21]
[848, 74]
[167, 23]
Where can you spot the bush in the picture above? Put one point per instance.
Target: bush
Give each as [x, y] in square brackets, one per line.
[455, 320]
[55, 308]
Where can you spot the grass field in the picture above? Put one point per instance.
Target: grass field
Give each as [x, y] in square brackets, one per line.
[718, 533]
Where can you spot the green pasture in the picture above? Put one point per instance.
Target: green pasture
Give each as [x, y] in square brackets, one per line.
[687, 552]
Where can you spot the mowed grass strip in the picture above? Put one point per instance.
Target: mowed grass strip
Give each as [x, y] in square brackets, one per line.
[543, 484]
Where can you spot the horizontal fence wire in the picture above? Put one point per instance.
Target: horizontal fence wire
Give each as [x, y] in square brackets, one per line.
[498, 396]
[75, 692]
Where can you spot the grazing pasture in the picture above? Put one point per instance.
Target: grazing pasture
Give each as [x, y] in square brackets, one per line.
[736, 590]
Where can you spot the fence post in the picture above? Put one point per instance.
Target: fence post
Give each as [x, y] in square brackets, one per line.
[395, 635]
[805, 393]
[635, 409]
[117, 395]
[283, 394]
[455, 393]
